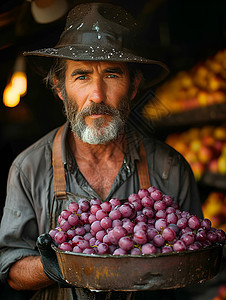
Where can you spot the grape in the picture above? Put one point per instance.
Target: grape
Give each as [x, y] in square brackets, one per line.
[92, 218]
[182, 223]
[158, 240]
[65, 225]
[169, 234]
[129, 226]
[119, 232]
[80, 230]
[140, 226]
[194, 222]
[221, 235]
[87, 236]
[94, 208]
[135, 251]
[140, 237]
[70, 234]
[156, 195]
[152, 189]
[53, 232]
[171, 218]
[102, 248]
[115, 214]
[137, 205]
[73, 207]
[149, 222]
[65, 246]
[167, 199]
[201, 235]
[159, 205]
[65, 214]
[60, 237]
[73, 220]
[112, 238]
[116, 223]
[212, 236]
[95, 226]
[206, 224]
[119, 251]
[126, 210]
[141, 218]
[170, 210]
[92, 241]
[100, 234]
[147, 201]
[95, 201]
[106, 206]
[179, 246]
[126, 243]
[160, 224]
[151, 232]
[188, 238]
[100, 214]
[148, 212]
[166, 249]
[148, 249]
[84, 204]
[114, 202]
[142, 193]
[160, 214]
[76, 249]
[106, 240]
[106, 222]
[89, 251]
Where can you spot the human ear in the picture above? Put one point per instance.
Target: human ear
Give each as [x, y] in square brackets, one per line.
[135, 85]
[58, 91]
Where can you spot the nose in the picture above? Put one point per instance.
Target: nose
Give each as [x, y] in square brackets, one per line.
[98, 93]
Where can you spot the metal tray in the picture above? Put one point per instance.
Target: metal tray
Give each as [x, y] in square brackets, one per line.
[143, 272]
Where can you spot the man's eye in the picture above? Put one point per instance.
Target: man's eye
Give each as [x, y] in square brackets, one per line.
[112, 76]
[82, 77]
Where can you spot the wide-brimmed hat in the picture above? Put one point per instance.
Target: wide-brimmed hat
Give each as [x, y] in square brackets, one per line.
[103, 32]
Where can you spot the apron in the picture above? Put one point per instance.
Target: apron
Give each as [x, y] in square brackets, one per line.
[60, 202]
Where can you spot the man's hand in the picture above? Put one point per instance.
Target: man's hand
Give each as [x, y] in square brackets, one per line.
[49, 260]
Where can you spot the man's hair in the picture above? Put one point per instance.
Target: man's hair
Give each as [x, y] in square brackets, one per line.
[56, 75]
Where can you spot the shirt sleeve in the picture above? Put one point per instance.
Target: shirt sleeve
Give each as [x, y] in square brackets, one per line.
[18, 229]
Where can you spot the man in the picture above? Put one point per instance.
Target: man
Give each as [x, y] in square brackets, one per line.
[97, 74]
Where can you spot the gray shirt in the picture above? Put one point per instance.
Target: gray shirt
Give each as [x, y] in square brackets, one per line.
[30, 189]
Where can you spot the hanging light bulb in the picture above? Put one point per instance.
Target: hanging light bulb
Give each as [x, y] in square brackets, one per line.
[19, 82]
[11, 97]
[17, 86]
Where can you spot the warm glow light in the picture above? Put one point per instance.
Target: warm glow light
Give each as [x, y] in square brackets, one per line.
[11, 97]
[19, 82]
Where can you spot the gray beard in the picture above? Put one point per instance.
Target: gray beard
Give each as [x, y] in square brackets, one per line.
[99, 133]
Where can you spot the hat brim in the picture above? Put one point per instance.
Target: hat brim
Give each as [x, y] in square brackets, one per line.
[154, 71]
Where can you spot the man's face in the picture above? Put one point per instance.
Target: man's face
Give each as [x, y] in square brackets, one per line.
[97, 99]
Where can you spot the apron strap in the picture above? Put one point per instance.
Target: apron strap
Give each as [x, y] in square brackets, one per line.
[59, 182]
[142, 168]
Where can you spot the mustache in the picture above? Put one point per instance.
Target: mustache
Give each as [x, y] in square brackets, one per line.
[98, 108]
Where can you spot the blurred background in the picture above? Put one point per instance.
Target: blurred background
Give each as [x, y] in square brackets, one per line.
[188, 35]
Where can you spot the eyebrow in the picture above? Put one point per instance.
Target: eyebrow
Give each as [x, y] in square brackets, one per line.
[107, 70]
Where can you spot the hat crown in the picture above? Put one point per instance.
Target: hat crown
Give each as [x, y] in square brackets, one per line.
[99, 23]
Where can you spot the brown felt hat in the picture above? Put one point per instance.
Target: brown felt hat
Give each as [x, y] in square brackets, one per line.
[102, 32]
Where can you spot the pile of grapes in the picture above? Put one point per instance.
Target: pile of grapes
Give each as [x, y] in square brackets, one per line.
[148, 223]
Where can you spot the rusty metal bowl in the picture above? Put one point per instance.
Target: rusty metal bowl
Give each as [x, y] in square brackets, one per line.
[139, 273]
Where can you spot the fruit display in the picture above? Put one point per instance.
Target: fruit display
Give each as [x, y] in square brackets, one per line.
[148, 222]
[214, 208]
[204, 148]
[203, 85]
